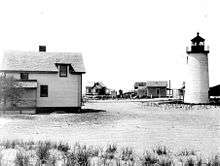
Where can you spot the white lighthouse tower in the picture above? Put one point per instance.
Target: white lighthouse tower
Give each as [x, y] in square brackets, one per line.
[197, 76]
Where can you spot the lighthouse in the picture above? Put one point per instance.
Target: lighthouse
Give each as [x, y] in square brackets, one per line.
[197, 73]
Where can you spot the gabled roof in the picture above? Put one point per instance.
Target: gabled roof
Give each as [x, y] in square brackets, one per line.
[156, 83]
[99, 84]
[151, 84]
[137, 84]
[40, 61]
[95, 84]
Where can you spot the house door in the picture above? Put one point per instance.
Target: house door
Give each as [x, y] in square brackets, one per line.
[158, 92]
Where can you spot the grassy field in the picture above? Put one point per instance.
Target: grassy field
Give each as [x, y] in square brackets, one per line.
[126, 124]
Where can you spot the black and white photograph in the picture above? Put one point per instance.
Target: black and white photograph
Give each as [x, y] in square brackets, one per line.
[109, 83]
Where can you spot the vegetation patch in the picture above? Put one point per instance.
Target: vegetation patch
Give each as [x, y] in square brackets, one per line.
[49, 153]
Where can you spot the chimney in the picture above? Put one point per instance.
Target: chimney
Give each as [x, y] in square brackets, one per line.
[42, 48]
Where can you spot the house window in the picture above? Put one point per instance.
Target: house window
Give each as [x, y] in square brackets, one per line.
[44, 91]
[63, 70]
[24, 76]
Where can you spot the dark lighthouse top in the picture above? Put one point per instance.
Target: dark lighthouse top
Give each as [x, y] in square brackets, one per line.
[198, 45]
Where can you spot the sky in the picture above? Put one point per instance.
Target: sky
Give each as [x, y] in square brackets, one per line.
[122, 41]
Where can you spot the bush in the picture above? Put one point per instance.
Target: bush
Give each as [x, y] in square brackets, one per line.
[9, 144]
[63, 147]
[110, 151]
[49, 153]
[79, 156]
[161, 150]
[127, 154]
[165, 162]
[93, 151]
[21, 159]
[52, 161]
[43, 152]
[149, 159]
[214, 162]
[186, 152]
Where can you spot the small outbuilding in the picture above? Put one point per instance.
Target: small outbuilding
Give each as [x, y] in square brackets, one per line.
[151, 89]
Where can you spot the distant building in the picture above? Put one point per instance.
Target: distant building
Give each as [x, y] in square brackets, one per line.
[214, 91]
[51, 80]
[151, 89]
[97, 88]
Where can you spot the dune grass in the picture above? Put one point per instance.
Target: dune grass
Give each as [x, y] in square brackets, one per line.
[50, 153]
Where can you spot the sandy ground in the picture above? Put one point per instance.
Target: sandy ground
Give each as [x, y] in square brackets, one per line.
[132, 124]
[4, 121]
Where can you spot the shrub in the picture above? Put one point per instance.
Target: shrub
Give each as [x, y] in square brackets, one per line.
[192, 161]
[149, 159]
[21, 159]
[6, 144]
[79, 156]
[127, 154]
[214, 162]
[186, 152]
[199, 162]
[94, 151]
[30, 145]
[110, 151]
[43, 152]
[48, 153]
[161, 150]
[160, 155]
[165, 162]
[14, 143]
[52, 161]
[63, 147]
[189, 162]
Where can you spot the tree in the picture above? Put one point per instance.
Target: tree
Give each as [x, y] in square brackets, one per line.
[10, 92]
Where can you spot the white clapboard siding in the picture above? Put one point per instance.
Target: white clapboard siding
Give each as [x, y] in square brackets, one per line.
[62, 91]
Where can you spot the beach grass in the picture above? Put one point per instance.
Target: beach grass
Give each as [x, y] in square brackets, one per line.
[51, 153]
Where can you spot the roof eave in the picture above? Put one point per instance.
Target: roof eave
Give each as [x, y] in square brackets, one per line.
[28, 71]
[31, 71]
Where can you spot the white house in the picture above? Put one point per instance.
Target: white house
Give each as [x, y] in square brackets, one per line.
[51, 80]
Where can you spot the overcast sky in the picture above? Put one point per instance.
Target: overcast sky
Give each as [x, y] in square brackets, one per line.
[122, 41]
